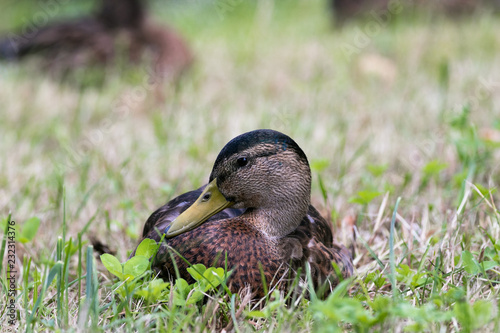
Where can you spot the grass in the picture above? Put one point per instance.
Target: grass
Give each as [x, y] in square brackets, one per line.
[412, 113]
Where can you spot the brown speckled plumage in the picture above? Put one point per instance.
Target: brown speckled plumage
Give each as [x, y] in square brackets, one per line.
[271, 195]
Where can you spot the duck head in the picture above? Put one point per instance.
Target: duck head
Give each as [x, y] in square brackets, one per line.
[263, 171]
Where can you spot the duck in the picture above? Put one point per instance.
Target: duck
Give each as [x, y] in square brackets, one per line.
[254, 217]
[382, 11]
[116, 27]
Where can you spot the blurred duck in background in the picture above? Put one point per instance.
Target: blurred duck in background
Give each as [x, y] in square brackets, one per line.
[347, 9]
[118, 26]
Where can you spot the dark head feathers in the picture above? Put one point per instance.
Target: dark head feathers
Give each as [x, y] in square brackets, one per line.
[256, 137]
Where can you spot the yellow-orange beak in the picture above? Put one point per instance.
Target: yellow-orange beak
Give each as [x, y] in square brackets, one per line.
[209, 203]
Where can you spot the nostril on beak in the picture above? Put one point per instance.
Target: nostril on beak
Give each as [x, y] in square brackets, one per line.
[206, 197]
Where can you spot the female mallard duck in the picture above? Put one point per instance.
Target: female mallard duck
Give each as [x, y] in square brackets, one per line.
[255, 215]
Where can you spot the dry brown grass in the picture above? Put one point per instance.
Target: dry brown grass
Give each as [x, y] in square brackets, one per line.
[112, 155]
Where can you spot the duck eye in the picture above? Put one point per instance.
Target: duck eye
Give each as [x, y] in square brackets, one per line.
[242, 161]
[206, 197]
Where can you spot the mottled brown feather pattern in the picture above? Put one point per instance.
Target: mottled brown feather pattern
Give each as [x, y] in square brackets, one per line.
[246, 247]
[319, 250]
[276, 232]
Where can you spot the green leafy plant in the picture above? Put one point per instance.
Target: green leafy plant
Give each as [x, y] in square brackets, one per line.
[377, 170]
[134, 269]
[472, 266]
[29, 229]
[431, 171]
[364, 197]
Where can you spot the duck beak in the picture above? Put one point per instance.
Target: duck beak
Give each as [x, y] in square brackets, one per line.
[209, 203]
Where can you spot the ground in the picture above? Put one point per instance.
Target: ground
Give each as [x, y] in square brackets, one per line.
[402, 106]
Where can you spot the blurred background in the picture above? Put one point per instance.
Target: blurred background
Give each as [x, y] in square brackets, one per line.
[108, 110]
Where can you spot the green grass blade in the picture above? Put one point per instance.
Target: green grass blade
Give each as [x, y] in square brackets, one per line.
[233, 313]
[4, 241]
[392, 257]
[55, 270]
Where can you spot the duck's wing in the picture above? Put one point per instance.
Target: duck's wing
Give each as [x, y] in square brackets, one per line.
[314, 237]
[163, 216]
